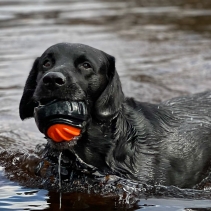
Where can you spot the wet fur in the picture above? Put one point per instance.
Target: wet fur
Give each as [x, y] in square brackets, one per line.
[167, 144]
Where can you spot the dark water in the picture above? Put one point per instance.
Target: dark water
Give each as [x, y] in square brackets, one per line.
[162, 49]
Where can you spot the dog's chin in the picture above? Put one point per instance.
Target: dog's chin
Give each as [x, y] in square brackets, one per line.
[64, 145]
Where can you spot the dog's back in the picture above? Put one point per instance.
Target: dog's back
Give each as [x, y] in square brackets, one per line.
[171, 142]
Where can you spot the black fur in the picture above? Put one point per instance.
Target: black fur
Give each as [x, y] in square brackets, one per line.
[167, 144]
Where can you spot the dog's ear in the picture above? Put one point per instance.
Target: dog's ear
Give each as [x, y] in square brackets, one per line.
[27, 105]
[111, 99]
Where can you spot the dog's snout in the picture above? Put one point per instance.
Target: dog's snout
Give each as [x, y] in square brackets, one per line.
[54, 79]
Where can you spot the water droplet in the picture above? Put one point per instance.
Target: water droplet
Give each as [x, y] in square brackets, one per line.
[59, 172]
[59, 169]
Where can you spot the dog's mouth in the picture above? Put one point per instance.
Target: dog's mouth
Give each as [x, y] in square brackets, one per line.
[61, 120]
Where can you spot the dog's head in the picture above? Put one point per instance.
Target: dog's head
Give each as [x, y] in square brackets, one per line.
[74, 72]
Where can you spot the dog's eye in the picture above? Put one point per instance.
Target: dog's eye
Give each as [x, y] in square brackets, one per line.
[47, 63]
[86, 65]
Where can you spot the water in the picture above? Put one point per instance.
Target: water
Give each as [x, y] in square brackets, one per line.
[162, 50]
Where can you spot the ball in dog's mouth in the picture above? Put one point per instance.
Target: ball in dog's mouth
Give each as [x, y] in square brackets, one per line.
[60, 120]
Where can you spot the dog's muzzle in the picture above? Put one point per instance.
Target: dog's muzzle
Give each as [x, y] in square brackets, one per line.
[61, 120]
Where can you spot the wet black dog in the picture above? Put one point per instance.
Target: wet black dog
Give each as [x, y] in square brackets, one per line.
[167, 144]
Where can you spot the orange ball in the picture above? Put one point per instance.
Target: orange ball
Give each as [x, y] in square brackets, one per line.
[62, 132]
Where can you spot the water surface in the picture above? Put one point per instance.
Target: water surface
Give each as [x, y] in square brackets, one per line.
[162, 50]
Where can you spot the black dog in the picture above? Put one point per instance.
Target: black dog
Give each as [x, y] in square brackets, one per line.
[167, 144]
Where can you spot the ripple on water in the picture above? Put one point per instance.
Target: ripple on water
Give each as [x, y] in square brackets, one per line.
[162, 50]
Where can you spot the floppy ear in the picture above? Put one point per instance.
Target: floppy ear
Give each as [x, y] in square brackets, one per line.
[110, 101]
[26, 107]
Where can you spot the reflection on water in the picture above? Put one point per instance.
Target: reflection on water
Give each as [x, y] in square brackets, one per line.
[162, 49]
[15, 197]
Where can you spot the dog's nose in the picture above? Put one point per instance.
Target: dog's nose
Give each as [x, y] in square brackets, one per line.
[53, 80]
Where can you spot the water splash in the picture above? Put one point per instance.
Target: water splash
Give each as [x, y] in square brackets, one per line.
[60, 172]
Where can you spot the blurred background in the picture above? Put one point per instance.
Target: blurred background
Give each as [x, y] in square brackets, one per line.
[162, 49]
